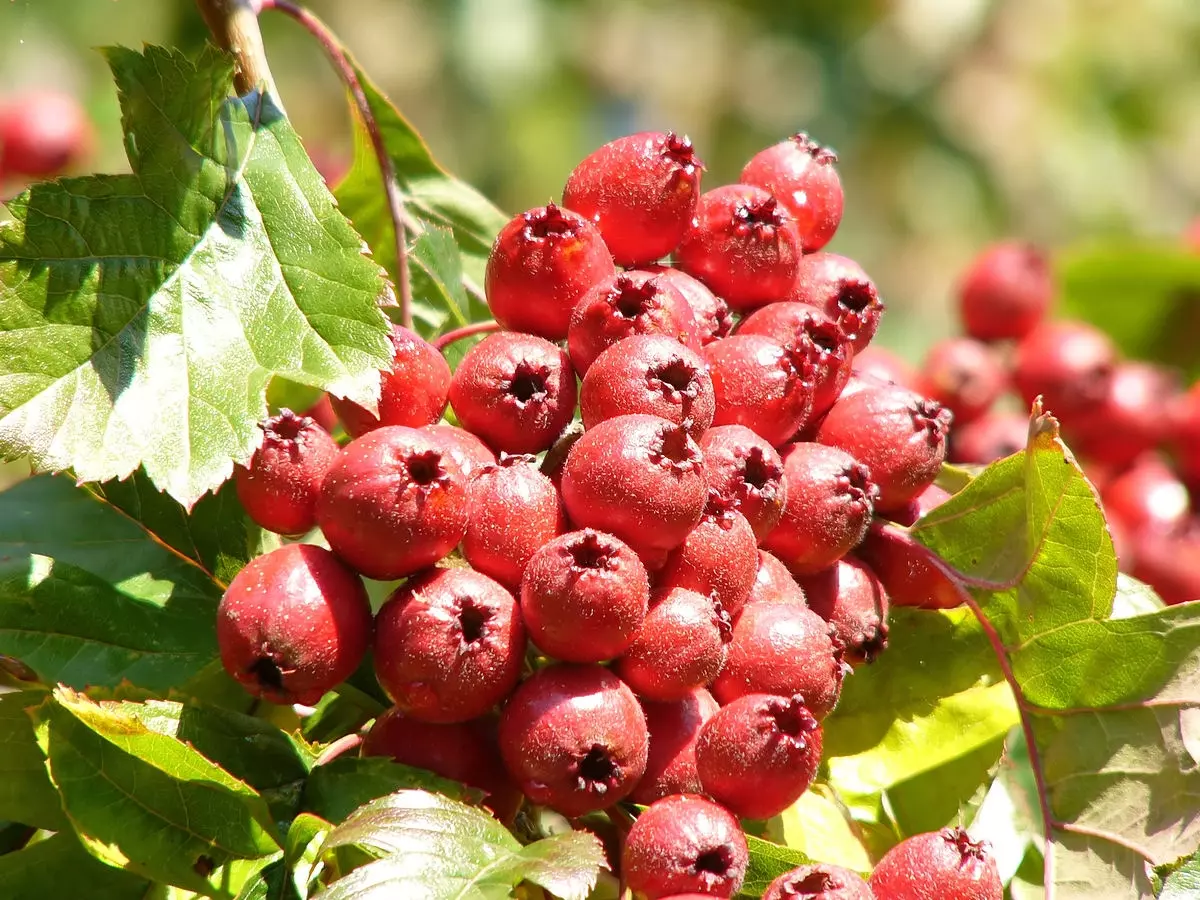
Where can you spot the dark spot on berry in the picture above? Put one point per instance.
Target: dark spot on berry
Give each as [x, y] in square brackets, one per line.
[873, 641]
[426, 467]
[473, 619]
[677, 379]
[824, 335]
[855, 483]
[814, 883]
[856, 296]
[722, 620]
[204, 865]
[759, 472]
[714, 862]
[676, 449]
[528, 383]
[792, 718]
[597, 771]
[819, 154]
[267, 673]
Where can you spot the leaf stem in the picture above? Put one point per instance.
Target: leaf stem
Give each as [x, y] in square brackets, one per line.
[234, 25]
[442, 341]
[345, 69]
[344, 744]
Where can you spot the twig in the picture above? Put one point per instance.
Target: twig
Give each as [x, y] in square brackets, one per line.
[234, 25]
[442, 341]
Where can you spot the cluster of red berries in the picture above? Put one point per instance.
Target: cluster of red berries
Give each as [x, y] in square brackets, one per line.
[663, 608]
[42, 133]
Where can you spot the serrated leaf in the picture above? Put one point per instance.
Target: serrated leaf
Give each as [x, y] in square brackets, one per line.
[1184, 882]
[435, 266]
[26, 794]
[142, 315]
[339, 787]
[767, 862]
[59, 866]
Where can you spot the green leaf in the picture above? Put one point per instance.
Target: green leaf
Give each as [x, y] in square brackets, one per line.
[434, 847]
[59, 866]
[439, 300]
[339, 787]
[767, 862]
[1184, 882]
[819, 826]
[26, 794]
[146, 801]
[142, 315]
[284, 877]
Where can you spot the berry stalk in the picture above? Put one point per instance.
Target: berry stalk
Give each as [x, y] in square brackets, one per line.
[442, 341]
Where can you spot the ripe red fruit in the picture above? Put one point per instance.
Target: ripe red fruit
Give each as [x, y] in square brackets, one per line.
[773, 583]
[944, 863]
[280, 484]
[1168, 562]
[413, 393]
[1184, 433]
[584, 597]
[758, 754]
[464, 448]
[930, 498]
[743, 469]
[718, 558]
[514, 510]
[851, 598]
[674, 728]
[641, 191]
[906, 574]
[818, 882]
[685, 843]
[449, 645]
[393, 503]
[784, 649]
[462, 751]
[1147, 497]
[830, 499]
[712, 315]
[293, 624]
[1130, 419]
[899, 436]
[542, 262]
[638, 477]
[801, 173]
[876, 366]
[680, 647]
[574, 738]
[322, 413]
[990, 437]
[650, 374]
[42, 133]
[515, 391]
[625, 305]
[759, 383]
[1005, 292]
[964, 375]
[1068, 363]
[839, 287]
[743, 245]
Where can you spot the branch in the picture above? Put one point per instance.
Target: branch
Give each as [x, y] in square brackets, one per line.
[234, 25]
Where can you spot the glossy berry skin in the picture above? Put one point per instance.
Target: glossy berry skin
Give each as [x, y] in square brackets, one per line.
[413, 393]
[638, 477]
[462, 751]
[515, 391]
[42, 133]
[640, 191]
[573, 738]
[1147, 497]
[393, 503]
[627, 304]
[773, 583]
[1005, 292]
[584, 597]
[852, 599]
[1129, 420]
[839, 287]
[761, 384]
[801, 173]
[293, 624]
[680, 647]
[818, 882]
[464, 448]
[718, 558]
[1068, 363]
[758, 754]
[712, 315]
[745, 471]
[993, 436]
[899, 436]
[541, 263]
[449, 645]
[674, 728]
[743, 245]
[944, 863]
[515, 509]
[685, 843]
[963, 375]
[830, 500]
[279, 486]
[651, 374]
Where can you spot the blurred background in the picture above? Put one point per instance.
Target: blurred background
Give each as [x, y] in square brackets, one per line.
[956, 121]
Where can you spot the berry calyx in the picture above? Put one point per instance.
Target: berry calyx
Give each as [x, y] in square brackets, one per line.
[761, 384]
[944, 863]
[839, 287]
[818, 882]
[280, 485]
[1006, 292]
[685, 843]
[745, 471]
[801, 173]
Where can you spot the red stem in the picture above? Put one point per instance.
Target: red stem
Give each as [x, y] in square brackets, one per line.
[344, 744]
[442, 341]
[395, 202]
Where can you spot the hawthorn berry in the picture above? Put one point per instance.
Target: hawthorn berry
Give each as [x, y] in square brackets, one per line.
[464, 448]
[944, 863]
[322, 413]
[718, 558]
[1005, 292]
[744, 470]
[852, 599]
[711, 313]
[839, 287]
[641, 191]
[1183, 433]
[293, 624]
[1129, 419]
[764, 385]
[906, 574]
[1147, 497]
[42, 133]
[930, 498]
[674, 727]
[818, 882]
[801, 173]
[684, 842]
[541, 263]
[1167, 561]
[1068, 363]
[992, 436]
[279, 486]
[773, 583]
[964, 375]
[876, 366]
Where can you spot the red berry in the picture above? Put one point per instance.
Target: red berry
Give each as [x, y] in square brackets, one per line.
[712, 315]
[930, 498]
[944, 863]
[758, 754]
[574, 738]
[1147, 497]
[449, 645]
[906, 574]
[744, 470]
[413, 393]
[839, 287]
[293, 624]
[785, 649]
[650, 374]
[851, 598]
[743, 245]
[674, 728]
[542, 262]
[964, 375]
[899, 436]
[280, 484]
[1191, 236]
[461, 751]
[515, 391]
[464, 448]
[761, 384]
[830, 499]
[393, 503]
[773, 583]
[877, 366]
[685, 843]
[637, 477]
[1068, 363]
[42, 133]
[627, 304]
[818, 882]
[1005, 292]
[718, 558]
[1130, 419]
[641, 192]
[1168, 562]
[991, 437]
[1183, 433]
[584, 597]
[322, 413]
[801, 173]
